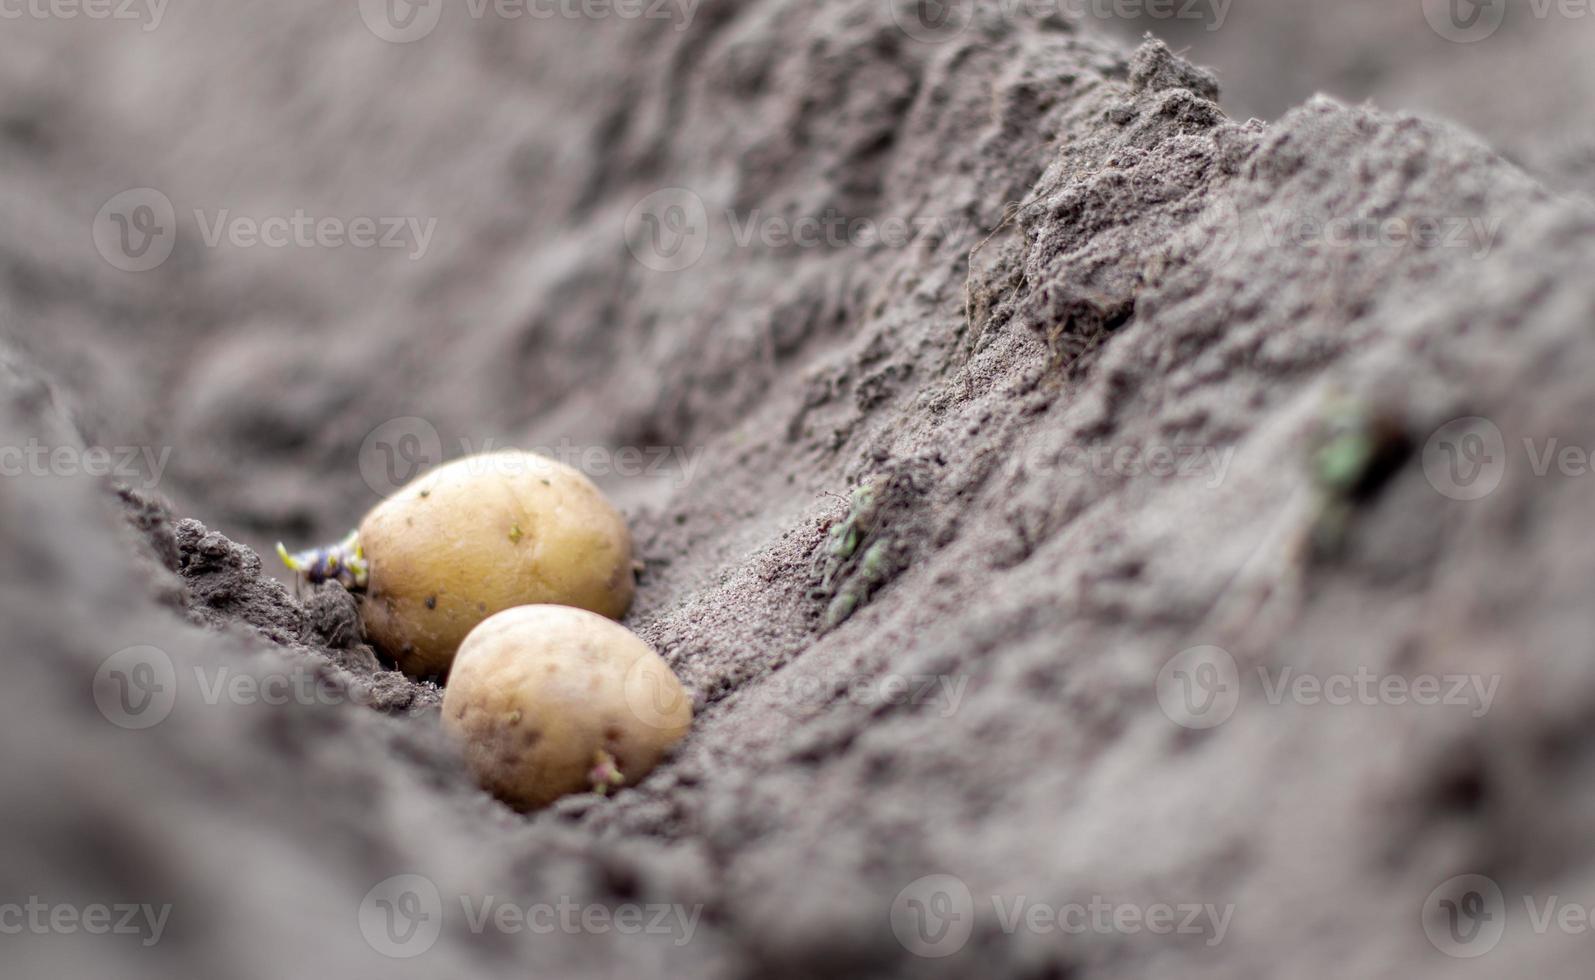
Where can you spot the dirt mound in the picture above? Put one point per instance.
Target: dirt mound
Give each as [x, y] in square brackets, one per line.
[1057, 496]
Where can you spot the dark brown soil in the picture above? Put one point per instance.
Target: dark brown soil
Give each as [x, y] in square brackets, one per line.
[1113, 394]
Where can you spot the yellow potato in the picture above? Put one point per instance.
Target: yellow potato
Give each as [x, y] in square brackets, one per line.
[480, 535]
[550, 700]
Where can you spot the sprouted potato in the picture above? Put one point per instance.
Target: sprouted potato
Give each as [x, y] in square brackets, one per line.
[472, 538]
[549, 700]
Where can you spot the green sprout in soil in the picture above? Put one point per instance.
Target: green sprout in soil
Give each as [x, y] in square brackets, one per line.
[858, 557]
[1358, 447]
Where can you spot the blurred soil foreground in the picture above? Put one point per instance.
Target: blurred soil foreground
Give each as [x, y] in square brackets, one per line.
[1104, 535]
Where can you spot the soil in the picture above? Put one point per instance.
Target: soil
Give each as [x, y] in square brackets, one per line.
[1090, 409]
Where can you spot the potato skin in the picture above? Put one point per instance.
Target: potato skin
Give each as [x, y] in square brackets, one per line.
[483, 534]
[538, 691]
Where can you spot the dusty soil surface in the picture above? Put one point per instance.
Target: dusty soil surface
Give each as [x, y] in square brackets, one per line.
[1123, 399]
